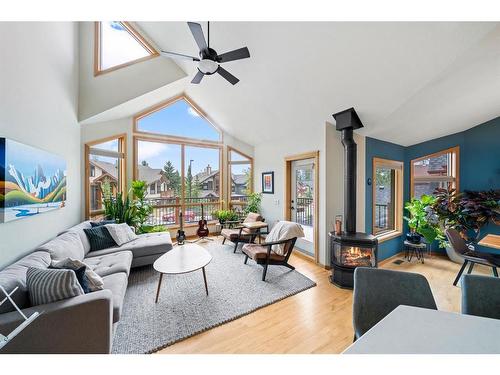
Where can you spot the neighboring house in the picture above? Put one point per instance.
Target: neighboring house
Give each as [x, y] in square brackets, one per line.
[209, 182]
[101, 171]
[239, 185]
[157, 186]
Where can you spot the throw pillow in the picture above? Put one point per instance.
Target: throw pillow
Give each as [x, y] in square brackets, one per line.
[121, 233]
[63, 246]
[50, 285]
[99, 238]
[94, 281]
[82, 279]
[94, 224]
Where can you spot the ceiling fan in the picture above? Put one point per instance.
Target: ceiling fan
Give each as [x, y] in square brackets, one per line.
[209, 61]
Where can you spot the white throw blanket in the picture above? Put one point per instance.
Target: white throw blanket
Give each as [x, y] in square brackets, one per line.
[284, 230]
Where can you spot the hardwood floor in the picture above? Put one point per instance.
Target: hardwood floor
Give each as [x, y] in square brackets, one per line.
[318, 320]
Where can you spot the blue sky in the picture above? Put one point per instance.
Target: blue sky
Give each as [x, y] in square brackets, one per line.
[25, 158]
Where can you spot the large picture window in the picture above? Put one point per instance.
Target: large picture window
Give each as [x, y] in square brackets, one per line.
[387, 208]
[105, 162]
[240, 178]
[438, 170]
[178, 154]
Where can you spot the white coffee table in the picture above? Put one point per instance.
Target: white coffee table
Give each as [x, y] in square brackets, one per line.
[182, 259]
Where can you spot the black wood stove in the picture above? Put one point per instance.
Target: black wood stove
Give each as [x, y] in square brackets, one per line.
[350, 249]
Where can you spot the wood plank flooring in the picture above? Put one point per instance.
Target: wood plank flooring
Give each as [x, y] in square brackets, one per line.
[318, 320]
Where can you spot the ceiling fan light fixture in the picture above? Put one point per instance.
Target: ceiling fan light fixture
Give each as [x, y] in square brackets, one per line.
[207, 66]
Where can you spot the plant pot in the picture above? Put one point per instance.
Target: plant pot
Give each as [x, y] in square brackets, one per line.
[453, 255]
[221, 222]
[414, 237]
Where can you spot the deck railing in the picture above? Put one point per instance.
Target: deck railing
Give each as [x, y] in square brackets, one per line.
[381, 216]
[166, 210]
[304, 211]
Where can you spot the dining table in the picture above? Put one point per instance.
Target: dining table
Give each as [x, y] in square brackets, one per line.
[415, 330]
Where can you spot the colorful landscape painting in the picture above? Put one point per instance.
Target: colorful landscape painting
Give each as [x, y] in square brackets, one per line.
[32, 181]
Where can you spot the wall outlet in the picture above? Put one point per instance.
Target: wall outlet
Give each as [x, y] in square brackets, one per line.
[276, 202]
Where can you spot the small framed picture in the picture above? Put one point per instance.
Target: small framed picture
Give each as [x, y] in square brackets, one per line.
[268, 182]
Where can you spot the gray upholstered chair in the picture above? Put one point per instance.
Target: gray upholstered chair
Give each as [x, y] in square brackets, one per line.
[377, 292]
[470, 256]
[481, 296]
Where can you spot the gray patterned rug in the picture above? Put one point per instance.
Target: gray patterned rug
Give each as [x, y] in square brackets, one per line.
[183, 310]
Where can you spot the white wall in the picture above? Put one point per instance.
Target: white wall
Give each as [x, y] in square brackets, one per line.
[38, 107]
[269, 156]
[103, 92]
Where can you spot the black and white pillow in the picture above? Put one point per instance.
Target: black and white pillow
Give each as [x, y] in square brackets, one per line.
[50, 285]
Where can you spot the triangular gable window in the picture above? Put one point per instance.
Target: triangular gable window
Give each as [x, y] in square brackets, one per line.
[179, 119]
[119, 45]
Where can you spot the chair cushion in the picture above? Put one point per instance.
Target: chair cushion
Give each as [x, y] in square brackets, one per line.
[67, 245]
[47, 285]
[256, 252]
[110, 263]
[15, 276]
[117, 284]
[253, 217]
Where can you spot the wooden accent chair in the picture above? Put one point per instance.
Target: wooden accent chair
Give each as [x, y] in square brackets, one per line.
[470, 256]
[264, 255]
[239, 234]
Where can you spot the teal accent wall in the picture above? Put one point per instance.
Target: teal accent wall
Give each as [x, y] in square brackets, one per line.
[479, 169]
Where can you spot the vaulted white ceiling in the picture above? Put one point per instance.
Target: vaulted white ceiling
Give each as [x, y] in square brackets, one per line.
[409, 82]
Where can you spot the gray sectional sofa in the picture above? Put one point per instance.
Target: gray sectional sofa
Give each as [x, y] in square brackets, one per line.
[82, 324]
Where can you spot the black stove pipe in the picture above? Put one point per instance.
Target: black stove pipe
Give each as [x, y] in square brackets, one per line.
[347, 121]
[350, 163]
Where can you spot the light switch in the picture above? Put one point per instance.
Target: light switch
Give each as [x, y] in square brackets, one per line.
[276, 202]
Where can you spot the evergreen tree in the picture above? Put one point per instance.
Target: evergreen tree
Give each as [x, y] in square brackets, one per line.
[172, 178]
[144, 163]
[192, 185]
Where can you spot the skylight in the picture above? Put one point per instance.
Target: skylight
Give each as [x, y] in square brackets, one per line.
[119, 45]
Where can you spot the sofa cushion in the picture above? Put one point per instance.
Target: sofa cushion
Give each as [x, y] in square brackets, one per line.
[99, 238]
[47, 285]
[110, 263]
[83, 237]
[67, 245]
[15, 276]
[145, 244]
[121, 233]
[94, 281]
[117, 284]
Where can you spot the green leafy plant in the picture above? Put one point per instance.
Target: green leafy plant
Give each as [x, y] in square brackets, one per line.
[225, 215]
[153, 228]
[422, 219]
[140, 209]
[253, 203]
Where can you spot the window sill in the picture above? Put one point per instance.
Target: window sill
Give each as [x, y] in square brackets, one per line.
[382, 237]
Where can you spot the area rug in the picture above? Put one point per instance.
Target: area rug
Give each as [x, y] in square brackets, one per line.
[183, 309]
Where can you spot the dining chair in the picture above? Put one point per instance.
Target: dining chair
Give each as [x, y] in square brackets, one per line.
[377, 292]
[481, 296]
[471, 257]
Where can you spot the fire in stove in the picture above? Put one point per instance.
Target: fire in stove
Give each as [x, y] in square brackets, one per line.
[355, 256]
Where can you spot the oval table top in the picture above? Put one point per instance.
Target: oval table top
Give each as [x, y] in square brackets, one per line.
[182, 259]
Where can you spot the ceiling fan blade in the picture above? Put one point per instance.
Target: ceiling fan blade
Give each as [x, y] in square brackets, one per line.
[197, 78]
[198, 36]
[174, 55]
[237, 54]
[228, 76]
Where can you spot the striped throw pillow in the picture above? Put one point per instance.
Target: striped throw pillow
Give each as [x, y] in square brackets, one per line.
[99, 238]
[50, 285]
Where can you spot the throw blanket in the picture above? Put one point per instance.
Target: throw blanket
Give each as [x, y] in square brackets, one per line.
[284, 230]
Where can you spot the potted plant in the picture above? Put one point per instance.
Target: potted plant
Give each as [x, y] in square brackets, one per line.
[421, 220]
[225, 215]
[253, 203]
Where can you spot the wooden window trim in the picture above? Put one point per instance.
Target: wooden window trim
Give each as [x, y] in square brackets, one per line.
[122, 148]
[398, 167]
[455, 169]
[165, 104]
[229, 164]
[135, 34]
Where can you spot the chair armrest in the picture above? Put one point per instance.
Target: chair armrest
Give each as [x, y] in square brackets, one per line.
[82, 324]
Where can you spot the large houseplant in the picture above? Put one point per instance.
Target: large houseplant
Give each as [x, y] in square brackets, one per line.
[421, 220]
[253, 203]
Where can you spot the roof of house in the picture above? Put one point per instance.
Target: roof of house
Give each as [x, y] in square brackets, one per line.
[108, 168]
[240, 179]
[148, 174]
